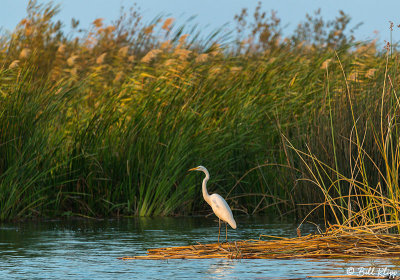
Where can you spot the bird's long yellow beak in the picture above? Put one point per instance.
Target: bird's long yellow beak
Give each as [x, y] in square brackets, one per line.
[193, 169]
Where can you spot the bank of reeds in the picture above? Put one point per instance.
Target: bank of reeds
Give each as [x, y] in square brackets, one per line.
[364, 192]
[106, 121]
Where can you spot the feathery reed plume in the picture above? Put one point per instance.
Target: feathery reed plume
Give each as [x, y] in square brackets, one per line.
[118, 77]
[167, 24]
[25, 53]
[203, 57]
[236, 69]
[150, 56]
[326, 63]
[123, 51]
[71, 60]
[98, 23]
[61, 48]
[100, 58]
[148, 29]
[353, 77]
[14, 64]
[370, 73]
[166, 45]
[131, 58]
[182, 54]
[170, 62]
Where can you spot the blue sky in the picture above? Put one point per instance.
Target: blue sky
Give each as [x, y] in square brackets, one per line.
[212, 14]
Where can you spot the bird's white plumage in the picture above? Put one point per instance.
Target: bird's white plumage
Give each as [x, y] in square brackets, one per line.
[222, 210]
[217, 203]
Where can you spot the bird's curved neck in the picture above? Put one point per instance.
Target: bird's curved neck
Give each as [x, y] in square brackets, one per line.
[206, 196]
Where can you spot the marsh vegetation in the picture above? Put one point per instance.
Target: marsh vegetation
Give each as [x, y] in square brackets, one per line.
[106, 121]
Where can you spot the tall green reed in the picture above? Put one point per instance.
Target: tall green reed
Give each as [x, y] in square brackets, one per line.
[108, 123]
[31, 150]
[360, 186]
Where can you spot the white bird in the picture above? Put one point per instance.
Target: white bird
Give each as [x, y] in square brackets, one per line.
[218, 204]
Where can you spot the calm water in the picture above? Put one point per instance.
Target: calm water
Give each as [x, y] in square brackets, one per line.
[82, 249]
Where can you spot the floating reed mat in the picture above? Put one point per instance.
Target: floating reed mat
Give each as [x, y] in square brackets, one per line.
[337, 242]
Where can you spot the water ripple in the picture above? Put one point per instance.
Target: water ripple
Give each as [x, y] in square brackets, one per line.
[81, 249]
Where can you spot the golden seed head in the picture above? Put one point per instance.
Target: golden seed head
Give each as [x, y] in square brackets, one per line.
[28, 31]
[183, 38]
[101, 58]
[25, 53]
[14, 64]
[236, 69]
[118, 76]
[325, 64]
[337, 33]
[150, 56]
[182, 54]
[131, 58]
[74, 71]
[201, 58]
[215, 70]
[123, 51]
[98, 22]
[71, 60]
[167, 24]
[61, 48]
[353, 77]
[370, 73]
[148, 29]
[109, 29]
[166, 45]
[170, 62]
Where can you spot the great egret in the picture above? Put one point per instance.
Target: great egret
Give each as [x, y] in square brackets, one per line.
[218, 204]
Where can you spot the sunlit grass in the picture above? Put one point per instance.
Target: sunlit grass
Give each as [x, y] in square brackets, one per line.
[106, 121]
[364, 191]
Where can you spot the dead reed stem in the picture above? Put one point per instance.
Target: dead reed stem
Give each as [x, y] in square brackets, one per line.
[336, 242]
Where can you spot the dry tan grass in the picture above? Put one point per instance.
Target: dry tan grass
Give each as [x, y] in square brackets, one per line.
[336, 242]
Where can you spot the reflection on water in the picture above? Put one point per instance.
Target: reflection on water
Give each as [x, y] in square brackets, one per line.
[87, 249]
[221, 268]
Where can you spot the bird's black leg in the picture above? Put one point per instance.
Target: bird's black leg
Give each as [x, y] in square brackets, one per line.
[226, 232]
[219, 229]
